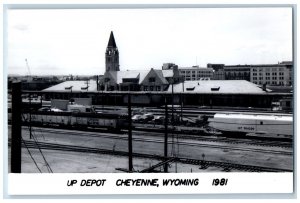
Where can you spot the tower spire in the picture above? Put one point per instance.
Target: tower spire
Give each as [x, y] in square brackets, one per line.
[112, 42]
[112, 54]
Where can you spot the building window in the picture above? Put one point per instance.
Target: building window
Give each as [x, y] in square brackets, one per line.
[254, 73]
[151, 88]
[158, 88]
[145, 88]
[152, 79]
[267, 73]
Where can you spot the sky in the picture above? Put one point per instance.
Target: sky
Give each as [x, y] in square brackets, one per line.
[73, 41]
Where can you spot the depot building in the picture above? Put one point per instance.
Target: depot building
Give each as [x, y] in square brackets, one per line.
[154, 87]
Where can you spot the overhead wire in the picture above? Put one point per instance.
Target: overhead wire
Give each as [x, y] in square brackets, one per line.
[30, 155]
[46, 162]
[36, 143]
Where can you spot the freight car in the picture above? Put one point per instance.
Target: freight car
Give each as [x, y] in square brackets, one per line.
[111, 121]
[243, 123]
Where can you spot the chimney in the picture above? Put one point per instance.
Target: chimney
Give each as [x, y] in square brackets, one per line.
[264, 87]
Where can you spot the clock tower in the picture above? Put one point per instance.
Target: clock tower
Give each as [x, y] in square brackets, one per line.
[112, 55]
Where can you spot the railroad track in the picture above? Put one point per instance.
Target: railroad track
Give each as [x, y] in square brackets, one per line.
[202, 163]
[181, 142]
[249, 141]
[238, 140]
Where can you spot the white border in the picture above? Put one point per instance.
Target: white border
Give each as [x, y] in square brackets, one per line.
[12, 177]
[57, 184]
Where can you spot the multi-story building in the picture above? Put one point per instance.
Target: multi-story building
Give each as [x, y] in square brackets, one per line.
[218, 71]
[196, 73]
[237, 72]
[269, 74]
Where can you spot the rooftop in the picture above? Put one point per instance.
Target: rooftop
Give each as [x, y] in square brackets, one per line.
[217, 87]
[195, 68]
[74, 86]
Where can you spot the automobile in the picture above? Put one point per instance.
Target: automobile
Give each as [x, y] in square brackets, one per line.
[56, 110]
[45, 109]
[147, 117]
[136, 118]
[188, 121]
[158, 119]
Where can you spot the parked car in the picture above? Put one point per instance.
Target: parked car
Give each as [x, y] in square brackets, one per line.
[158, 119]
[147, 117]
[136, 118]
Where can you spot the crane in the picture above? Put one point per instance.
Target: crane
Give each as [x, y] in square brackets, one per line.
[28, 67]
[29, 78]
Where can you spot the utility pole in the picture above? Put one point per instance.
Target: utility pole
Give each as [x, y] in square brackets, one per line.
[30, 130]
[16, 128]
[130, 166]
[166, 136]
[173, 101]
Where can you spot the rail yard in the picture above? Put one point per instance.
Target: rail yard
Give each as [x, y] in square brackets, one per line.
[191, 153]
[68, 137]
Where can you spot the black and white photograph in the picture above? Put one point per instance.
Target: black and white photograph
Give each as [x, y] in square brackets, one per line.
[150, 90]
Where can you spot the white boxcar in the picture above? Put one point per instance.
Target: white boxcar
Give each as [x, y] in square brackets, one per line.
[253, 123]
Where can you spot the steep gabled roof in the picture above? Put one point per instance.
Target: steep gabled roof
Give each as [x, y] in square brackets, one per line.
[112, 42]
[159, 75]
[139, 74]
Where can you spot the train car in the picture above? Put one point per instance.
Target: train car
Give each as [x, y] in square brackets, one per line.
[242, 123]
[77, 120]
[47, 118]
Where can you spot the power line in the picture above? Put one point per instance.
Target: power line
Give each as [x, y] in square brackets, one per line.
[36, 143]
[31, 155]
[47, 164]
